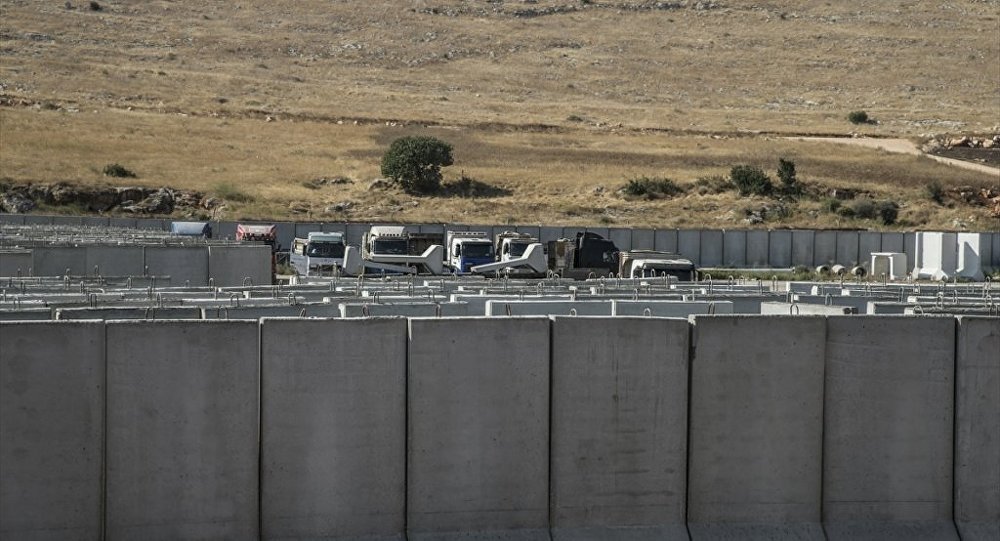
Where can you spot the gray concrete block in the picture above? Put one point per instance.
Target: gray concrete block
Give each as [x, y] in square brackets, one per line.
[336, 227]
[602, 231]
[996, 250]
[36, 219]
[891, 242]
[824, 248]
[779, 249]
[51, 430]
[689, 245]
[183, 264]
[407, 309]
[795, 309]
[669, 308]
[977, 428]
[549, 234]
[154, 224]
[256, 312]
[910, 249]
[284, 234]
[224, 230]
[847, 248]
[546, 308]
[868, 242]
[127, 223]
[94, 221]
[333, 428]
[109, 312]
[758, 247]
[755, 460]
[712, 247]
[666, 240]
[734, 248]
[803, 248]
[478, 428]
[619, 428]
[643, 239]
[302, 229]
[183, 426]
[55, 260]
[887, 456]
[115, 260]
[355, 232]
[232, 265]
[26, 314]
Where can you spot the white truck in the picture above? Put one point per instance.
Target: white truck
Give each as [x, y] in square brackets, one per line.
[391, 249]
[517, 254]
[467, 249]
[650, 263]
[317, 253]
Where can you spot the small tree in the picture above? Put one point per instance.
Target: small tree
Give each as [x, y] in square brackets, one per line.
[750, 179]
[786, 174]
[415, 163]
[858, 117]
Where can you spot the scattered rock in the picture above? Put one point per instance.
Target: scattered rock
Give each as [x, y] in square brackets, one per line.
[342, 206]
[160, 202]
[16, 203]
[379, 184]
[298, 208]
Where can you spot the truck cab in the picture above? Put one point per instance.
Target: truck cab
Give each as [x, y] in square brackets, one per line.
[191, 229]
[467, 249]
[512, 245]
[317, 253]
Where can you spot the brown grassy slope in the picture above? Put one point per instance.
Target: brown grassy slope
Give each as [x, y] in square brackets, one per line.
[616, 81]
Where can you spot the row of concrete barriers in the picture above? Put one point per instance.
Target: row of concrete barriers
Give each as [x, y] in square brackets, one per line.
[516, 428]
[778, 248]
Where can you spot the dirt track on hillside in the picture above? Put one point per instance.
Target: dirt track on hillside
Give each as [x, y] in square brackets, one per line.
[900, 146]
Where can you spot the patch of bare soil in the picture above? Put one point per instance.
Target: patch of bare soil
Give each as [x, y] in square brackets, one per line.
[987, 156]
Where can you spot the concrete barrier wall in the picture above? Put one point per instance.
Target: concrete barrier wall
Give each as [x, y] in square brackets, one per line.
[478, 449]
[333, 428]
[182, 451]
[887, 454]
[628, 377]
[182, 442]
[51, 430]
[756, 413]
[977, 429]
[59, 260]
[184, 265]
[232, 265]
[115, 260]
[15, 263]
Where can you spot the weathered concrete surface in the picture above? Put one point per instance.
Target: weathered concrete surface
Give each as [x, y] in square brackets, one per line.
[11, 219]
[887, 456]
[847, 248]
[785, 309]
[231, 265]
[183, 424]
[734, 248]
[184, 265]
[977, 429]
[619, 428]
[757, 246]
[127, 313]
[409, 309]
[55, 260]
[824, 248]
[478, 428]
[803, 248]
[333, 428]
[669, 308]
[892, 242]
[665, 240]
[51, 430]
[689, 245]
[545, 308]
[868, 242]
[643, 239]
[15, 263]
[755, 460]
[779, 249]
[621, 237]
[712, 248]
[115, 260]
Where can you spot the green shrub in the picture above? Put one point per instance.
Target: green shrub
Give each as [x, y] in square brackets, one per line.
[415, 163]
[935, 191]
[751, 180]
[713, 184]
[118, 170]
[786, 174]
[467, 186]
[858, 117]
[865, 209]
[831, 204]
[652, 187]
[229, 192]
[888, 211]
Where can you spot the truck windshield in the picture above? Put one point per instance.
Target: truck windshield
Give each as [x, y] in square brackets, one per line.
[477, 250]
[325, 249]
[390, 247]
[517, 248]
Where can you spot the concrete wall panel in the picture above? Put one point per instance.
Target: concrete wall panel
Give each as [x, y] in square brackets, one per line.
[115, 260]
[303, 229]
[996, 250]
[734, 248]
[619, 427]
[35, 219]
[153, 224]
[712, 248]
[689, 245]
[12, 219]
[224, 230]
[334, 227]
[182, 264]
[478, 402]
[51, 430]
[824, 248]
[355, 232]
[284, 233]
[977, 429]
[534, 231]
[55, 260]
[666, 240]
[757, 248]
[847, 248]
[887, 464]
[128, 223]
[182, 444]
[15, 263]
[868, 242]
[891, 242]
[231, 265]
[910, 249]
[333, 428]
[803, 248]
[94, 221]
[779, 249]
[550, 234]
[643, 239]
[756, 416]
[621, 237]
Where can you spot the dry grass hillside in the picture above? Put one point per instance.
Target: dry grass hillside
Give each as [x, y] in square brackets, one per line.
[557, 104]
